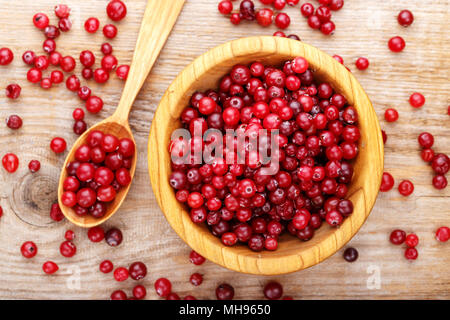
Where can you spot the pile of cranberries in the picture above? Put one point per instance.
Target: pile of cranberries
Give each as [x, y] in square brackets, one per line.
[318, 138]
[100, 169]
[440, 163]
[411, 240]
[319, 18]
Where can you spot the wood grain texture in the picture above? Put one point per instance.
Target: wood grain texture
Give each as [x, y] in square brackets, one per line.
[158, 21]
[205, 72]
[363, 28]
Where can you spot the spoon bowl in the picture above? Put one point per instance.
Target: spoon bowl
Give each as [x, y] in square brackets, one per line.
[159, 19]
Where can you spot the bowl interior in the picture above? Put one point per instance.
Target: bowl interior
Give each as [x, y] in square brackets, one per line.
[205, 73]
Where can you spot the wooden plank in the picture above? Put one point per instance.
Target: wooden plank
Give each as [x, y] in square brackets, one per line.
[363, 29]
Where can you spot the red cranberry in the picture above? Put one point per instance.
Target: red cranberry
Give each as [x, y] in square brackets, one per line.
[118, 295]
[34, 166]
[56, 213]
[196, 258]
[10, 162]
[122, 72]
[49, 46]
[106, 266]
[225, 7]
[50, 267]
[411, 253]
[116, 10]
[65, 24]
[62, 11]
[13, 91]
[273, 291]
[34, 75]
[440, 164]
[443, 234]
[397, 237]
[282, 20]
[139, 292]
[110, 31]
[327, 28]
[426, 140]
[91, 25]
[405, 188]
[196, 279]
[41, 20]
[264, 17]
[96, 234]
[163, 287]
[51, 32]
[69, 235]
[396, 44]
[412, 240]
[307, 10]
[68, 64]
[362, 63]
[106, 48]
[101, 75]
[14, 122]
[417, 100]
[114, 237]
[121, 274]
[427, 155]
[87, 58]
[29, 249]
[351, 254]
[67, 249]
[137, 270]
[87, 73]
[86, 197]
[405, 18]
[94, 104]
[73, 83]
[235, 18]
[29, 57]
[56, 77]
[391, 115]
[224, 292]
[387, 182]
[440, 182]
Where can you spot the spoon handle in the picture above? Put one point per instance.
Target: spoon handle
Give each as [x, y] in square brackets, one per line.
[159, 18]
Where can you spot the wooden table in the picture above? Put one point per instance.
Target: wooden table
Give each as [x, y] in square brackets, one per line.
[363, 28]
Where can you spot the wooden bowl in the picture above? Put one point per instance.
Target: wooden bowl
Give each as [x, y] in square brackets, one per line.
[292, 254]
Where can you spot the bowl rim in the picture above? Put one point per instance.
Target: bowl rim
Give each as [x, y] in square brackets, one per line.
[245, 260]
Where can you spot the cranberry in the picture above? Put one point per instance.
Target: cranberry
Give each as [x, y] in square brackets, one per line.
[87, 58]
[443, 234]
[405, 188]
[235, 18]
[351, 254]
[273, 291]
[34, 166]
[396, 44]
[139, 292]
[55, 59]
[101, 75]
[29, 57]
[387, 182]
[114, 237]
[41, 20]
[106, 48]
[34, 75]
[307, 10]
[411, 253]
[14, 122]
[62, 11]
[56, 213]
[84, 93]
[426, 140]
[56, 77]
[427, 155]
[440, 182]
[116, 10]
[224, 292]
[94, 104]
[137, 270]
[225, 7]
[362, 63]
[118, 295]
[282, 20]
[391, 115]
[29, 249]
[73, 83]
[69, 235]
[440, 164]
[13, 91]
[106, 266]
[122, 72]
[196, 279]
[405, 18]
[86, 197]
[163, 287]
[91, 25]
[67, 249]
[68, 64]
[51, 32]
[41, 62]
[50, 267]
[110, 31]
[96, 234]
[417, 100]
[87, 73]
[264, 17]
[412, 240]
[79, 127]
[49, 46]
[196, 258]
[327, 28]
[121, 274]
[10, 162]
[397, 237]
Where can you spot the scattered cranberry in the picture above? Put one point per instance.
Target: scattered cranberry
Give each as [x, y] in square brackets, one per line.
[196, 258]
[417, 100]
[264, 17]
[49, 46]
[396, 44]
[139, 292]
[412, 240]
[391, 115]
[58, 145]
[426, 140]
[101, 75]
[427, 155]
[121, 274]
[163, 287]
[307, 10]
[87, 73]
[362, 63]
[113, 237]
[106, 266]
[34, 75]
[387, 182]
[91, 25]
[282, 20]
[29, 249]
[87, 58]
[56, 77]
[41, 62]
[41, 20]
[440, 164]
[79, 127]
[13, 91]
[10, 162]
[14, 122]
[405, 18]
[67, 249]
[225, 7]
[56, 213]
[94, 104]
[405, 188]
[29, 57]
[55, 59]
[273, 291]
[73, 83]
[137, 270]
[397, 237]
[50, 267]
[116, 10]
[69, 235]
[109, 63]
[440, 182]
[122, 72]
[119, 295]
[196, 279]
[34, 166]
[51, 32]
[224, 292]
[351, 254]
[96, 234]
[235, 18]
[110, 31]
[443, 234]
[62, 11]
[106, 48]
[411, 253]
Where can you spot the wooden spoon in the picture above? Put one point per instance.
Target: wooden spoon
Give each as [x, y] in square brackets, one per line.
[159, 19]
